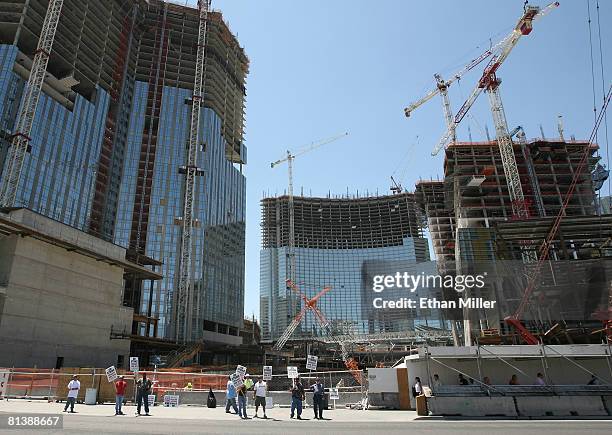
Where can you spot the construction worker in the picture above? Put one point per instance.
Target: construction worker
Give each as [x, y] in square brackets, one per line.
[73, 392]
[120, 387]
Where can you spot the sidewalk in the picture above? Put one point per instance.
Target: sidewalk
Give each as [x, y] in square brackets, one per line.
[201, 413]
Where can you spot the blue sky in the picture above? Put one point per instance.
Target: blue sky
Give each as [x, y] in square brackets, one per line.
[319, 68]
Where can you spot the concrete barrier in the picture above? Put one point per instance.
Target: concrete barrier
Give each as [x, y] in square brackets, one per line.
[607, 400]
[561, 406]
[472, 406]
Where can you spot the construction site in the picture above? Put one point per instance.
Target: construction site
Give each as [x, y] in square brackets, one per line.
[123, 199]
[525, 212]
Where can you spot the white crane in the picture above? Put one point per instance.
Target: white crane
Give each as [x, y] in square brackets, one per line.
[289, 159]
[20, 144]
[184, 300]
[490, 82]
[442, 89]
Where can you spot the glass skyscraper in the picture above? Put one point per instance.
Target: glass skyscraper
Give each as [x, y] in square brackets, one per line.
[110, 137]
[339, 242]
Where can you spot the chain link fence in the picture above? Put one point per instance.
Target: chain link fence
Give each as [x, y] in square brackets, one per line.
[51, 384]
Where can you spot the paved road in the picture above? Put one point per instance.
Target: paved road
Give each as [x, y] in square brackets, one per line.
[87, 424]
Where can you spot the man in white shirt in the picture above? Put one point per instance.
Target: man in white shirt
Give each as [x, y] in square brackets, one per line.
[259, 393]
[73, 392]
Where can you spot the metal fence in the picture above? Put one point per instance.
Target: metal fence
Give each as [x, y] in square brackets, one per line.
[52, 384]
[344, 380]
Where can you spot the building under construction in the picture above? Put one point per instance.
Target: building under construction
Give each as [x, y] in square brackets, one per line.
[108, 150]
[340, 243]
[471, 222]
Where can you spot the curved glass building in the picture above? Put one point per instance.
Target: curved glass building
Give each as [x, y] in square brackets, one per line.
[340, 243]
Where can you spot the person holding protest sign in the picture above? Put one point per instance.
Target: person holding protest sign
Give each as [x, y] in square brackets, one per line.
[318, 397]
[297, 396]
[242, 396]
[143, 387]
[259, 394]
[120, 387]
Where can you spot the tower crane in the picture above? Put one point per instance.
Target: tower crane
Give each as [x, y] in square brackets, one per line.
[490, 82]
[442, 89]
[20, 144]
[183, 310]
[289, 159]
[311, 305]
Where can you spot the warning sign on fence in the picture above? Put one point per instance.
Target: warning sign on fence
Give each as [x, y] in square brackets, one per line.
[111, 374]
[134, 364]
[311, 362]
[333, 394]
[151, 399]
[267, 373]
[292, 372]
[171, 401]
[4, 377]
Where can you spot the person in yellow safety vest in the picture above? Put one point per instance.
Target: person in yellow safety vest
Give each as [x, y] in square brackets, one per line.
[248, 382]
[188, 387]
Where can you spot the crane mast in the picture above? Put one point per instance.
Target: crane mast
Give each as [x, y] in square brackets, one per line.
[289, 159]
[183, 323]
[490, 83]
[20, 143]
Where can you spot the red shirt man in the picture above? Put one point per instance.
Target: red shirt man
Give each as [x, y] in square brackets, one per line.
[120, 387]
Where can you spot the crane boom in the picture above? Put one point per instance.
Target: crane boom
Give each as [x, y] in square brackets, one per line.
[21, 139]
[488, 79]
[183, 316]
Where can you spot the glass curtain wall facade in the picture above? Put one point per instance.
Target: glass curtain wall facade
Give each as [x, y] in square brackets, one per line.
[218, 237]
[59, 171]
[111, 133]
[339, 242]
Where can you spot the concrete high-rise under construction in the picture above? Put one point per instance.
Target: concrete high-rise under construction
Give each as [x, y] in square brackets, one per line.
[109, 145]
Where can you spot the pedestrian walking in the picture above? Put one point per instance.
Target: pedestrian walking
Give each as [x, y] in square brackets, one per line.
[540, 380]
[259, 394]
[513, 380]
[143, 389]
[242, 396]
[318, 396]
[297, 396]
[120, 387]
[73, 392]
[417, 388]
[230, 396]
[462, 380]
